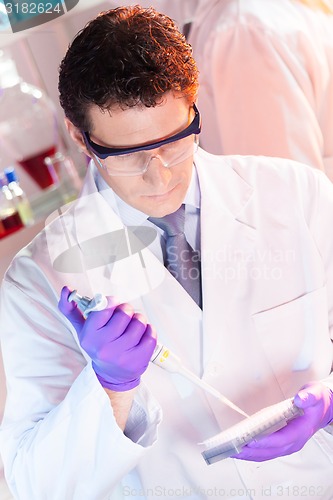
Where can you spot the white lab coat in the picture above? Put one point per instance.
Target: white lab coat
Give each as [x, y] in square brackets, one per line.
[267, 273]
[266, 79]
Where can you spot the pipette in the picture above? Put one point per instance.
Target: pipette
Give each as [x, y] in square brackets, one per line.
[166, 359]
[162, 356]
[86, 304]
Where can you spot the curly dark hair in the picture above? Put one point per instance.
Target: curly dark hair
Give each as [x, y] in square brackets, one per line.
[127, 56]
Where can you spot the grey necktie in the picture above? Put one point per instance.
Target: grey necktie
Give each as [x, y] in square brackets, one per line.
[181, 260]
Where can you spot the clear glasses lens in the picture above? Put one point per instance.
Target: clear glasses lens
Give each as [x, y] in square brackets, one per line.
[137, 163]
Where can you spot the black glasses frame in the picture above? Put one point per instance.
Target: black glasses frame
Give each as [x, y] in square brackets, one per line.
[103, 152]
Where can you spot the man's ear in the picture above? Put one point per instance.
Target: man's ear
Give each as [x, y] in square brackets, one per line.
[76, 136]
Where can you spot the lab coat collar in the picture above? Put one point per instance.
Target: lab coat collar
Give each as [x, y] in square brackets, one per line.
[230, 196]
[227, 233]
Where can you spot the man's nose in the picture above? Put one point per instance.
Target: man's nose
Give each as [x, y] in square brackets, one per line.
[157, 172]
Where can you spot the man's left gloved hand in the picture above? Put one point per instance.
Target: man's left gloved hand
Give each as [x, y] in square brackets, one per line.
[316, 401]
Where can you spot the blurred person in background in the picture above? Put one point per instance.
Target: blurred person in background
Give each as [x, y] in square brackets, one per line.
[266, 78]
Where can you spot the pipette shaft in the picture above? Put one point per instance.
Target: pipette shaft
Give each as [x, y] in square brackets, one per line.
[162, 356]
[167, 360]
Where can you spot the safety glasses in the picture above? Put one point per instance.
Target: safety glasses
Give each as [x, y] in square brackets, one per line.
[134, 161]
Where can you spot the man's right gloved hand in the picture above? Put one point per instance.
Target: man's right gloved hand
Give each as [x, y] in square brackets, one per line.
[119, 341]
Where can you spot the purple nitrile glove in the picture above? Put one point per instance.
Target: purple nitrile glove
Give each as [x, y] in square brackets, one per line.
[119, 341]
[316, 401]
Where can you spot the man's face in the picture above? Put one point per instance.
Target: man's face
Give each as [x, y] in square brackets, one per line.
[160, 190]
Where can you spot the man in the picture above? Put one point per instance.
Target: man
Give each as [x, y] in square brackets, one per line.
[87, 416]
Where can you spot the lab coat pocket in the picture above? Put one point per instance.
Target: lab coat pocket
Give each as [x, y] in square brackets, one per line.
[295, 339]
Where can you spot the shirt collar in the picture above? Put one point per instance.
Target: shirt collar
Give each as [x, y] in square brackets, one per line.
[129, 215]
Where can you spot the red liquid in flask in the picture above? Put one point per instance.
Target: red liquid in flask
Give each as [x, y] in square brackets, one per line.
[2, 230]
[11, 223]
[36, 168]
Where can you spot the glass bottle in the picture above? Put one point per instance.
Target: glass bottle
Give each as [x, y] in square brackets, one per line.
[28, 125]
[9, 216]
[20, 199]
[69, 182]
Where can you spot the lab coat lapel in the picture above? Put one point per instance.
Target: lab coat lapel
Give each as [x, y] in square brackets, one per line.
[227, 242]
[178, 320]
